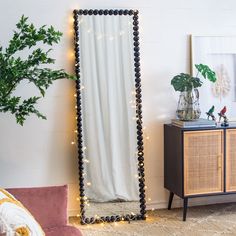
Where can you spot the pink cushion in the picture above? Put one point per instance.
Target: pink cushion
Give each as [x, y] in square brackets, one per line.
[63, 231]
[47, 204]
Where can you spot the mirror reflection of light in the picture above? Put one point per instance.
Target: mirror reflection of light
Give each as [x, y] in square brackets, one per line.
[122, 32]
[80, 21]
[99, 37]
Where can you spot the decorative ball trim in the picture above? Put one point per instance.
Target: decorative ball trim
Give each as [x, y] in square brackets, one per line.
[106, 12]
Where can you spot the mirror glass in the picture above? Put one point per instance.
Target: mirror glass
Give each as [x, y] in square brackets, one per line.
[109, 123]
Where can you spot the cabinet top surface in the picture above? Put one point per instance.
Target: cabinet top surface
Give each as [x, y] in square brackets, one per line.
[218, 126]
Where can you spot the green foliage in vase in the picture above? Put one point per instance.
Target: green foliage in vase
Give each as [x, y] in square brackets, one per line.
[185, 82]
[32, 68]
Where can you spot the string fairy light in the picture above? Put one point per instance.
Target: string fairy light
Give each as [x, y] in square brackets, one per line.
[136, 118]
[98, 35]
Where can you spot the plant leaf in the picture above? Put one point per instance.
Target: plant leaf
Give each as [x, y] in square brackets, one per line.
[206, 72]
[14, 69]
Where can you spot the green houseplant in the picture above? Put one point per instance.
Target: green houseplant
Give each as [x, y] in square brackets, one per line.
[188, 105]
[31, 68]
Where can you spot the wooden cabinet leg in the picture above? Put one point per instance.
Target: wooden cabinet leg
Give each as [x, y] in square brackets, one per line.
[170, 200]
[185, 208]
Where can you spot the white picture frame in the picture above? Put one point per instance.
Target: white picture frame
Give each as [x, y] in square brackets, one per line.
[219, 53]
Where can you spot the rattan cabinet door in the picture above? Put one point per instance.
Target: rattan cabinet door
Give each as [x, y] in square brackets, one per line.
[203, 162]
[231, 160]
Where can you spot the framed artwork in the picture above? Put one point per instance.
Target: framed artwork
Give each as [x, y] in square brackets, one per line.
[219, 53]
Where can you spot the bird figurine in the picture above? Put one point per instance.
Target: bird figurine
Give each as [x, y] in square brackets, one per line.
[222, 112]
[222, 115]
[210, 113]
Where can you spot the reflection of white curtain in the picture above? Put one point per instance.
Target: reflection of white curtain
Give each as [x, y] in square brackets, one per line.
[109, 128]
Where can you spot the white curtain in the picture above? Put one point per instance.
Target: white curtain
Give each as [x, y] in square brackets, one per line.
[109, 126]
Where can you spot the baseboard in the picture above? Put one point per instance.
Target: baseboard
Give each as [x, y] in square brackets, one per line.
[201, 201]
[179, 203]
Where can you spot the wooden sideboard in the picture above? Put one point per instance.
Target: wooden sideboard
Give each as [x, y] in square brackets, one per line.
[199, 162]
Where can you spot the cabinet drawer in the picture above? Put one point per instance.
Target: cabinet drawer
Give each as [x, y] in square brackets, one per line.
[231, 160]
[203, 162]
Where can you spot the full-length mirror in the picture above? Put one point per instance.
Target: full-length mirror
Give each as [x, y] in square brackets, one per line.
[110, 141]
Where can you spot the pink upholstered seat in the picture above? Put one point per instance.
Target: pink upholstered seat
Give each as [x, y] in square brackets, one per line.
[62, 231]
[49, 207]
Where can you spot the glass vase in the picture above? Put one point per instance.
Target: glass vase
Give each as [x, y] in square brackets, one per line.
[188, 105]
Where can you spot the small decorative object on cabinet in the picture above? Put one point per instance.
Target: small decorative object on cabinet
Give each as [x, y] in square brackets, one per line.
[225, 119]
[188, 105]
[210, 113]
[199, 162]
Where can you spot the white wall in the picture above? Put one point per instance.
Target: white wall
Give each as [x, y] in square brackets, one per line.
[40, 153]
